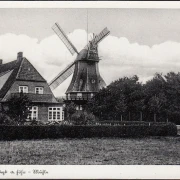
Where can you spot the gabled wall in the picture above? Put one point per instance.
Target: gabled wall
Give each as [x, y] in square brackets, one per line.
[28, 72]
[31, 86]
[28, 76]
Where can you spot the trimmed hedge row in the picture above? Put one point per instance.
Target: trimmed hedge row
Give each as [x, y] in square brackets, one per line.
[69, 131]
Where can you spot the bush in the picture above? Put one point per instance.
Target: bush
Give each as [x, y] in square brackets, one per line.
[82, 131]
[83, 118]
[4, 119]
[91, 118]
[76, 119]
[18, 108]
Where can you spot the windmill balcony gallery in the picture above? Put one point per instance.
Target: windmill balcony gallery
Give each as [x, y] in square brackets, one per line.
[79, 96]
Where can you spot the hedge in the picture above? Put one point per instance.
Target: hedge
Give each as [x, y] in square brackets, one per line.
[71, 131]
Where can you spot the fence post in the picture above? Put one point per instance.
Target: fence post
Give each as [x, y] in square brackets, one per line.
[121, 118]
[140, 115]
[129, 116]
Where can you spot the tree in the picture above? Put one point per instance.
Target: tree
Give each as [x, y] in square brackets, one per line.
[156, 85]
[127, 96]
[121, 106]
[156, 97]
[157, 104]
[173, 96]
[18, 108]
[83, 118]
[70, 109]
[119, 97]
[4, 119]
[140, 106]
[98, 104]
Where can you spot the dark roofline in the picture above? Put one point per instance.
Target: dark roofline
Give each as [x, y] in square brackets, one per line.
[13, 65]
[30, 80]
[7, 66]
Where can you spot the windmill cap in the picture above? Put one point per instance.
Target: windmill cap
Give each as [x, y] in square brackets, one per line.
[82, 55]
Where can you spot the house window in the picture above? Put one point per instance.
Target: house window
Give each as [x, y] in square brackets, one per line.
[23, 89]
[77, 108]
[33, 113]
[39, 90]
[79, 95]
[69, 96]
[55, 114]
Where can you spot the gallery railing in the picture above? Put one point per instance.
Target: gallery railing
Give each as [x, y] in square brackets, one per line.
[74, 98]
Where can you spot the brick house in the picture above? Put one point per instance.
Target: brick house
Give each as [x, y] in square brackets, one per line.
[20, 76]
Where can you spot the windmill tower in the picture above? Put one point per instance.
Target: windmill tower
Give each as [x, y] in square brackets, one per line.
[86, 80]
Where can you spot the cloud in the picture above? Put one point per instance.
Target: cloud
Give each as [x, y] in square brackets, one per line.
[119, 56]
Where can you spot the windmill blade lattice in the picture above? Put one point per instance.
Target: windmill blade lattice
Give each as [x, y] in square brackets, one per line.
[62, 76]
[58, 30]
[105, 32]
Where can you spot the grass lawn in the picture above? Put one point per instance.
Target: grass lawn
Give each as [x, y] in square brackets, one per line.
[129, 151]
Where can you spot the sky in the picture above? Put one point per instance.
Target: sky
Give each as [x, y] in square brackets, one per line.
[142, 41]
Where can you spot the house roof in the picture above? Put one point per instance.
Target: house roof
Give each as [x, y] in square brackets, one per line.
[27, 72]
[20, 69]
[5, 68]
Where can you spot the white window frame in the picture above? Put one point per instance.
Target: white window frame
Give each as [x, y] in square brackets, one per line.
[77, 107]
[79, 95]
[24, 89]
[39, 90]
[57, 112]
[69, 96]
[33, 111]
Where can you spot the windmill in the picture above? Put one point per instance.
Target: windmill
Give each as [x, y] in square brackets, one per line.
[86, 80]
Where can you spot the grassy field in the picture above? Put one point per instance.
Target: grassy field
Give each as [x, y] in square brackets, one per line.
[129, 151]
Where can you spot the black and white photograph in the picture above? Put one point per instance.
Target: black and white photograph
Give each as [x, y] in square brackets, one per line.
[89, 86]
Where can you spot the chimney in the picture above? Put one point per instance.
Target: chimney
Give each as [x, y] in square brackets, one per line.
[19, 55]
[1, 61]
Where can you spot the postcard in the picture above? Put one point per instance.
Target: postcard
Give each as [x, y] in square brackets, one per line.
[89, 90]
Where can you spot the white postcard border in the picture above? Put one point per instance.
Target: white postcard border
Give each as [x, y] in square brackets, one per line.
[89, 171]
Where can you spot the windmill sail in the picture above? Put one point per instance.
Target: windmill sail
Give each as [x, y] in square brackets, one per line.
[102, 82]
[63, 75]
[98, 38]
[58, 30]
[105, 32]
